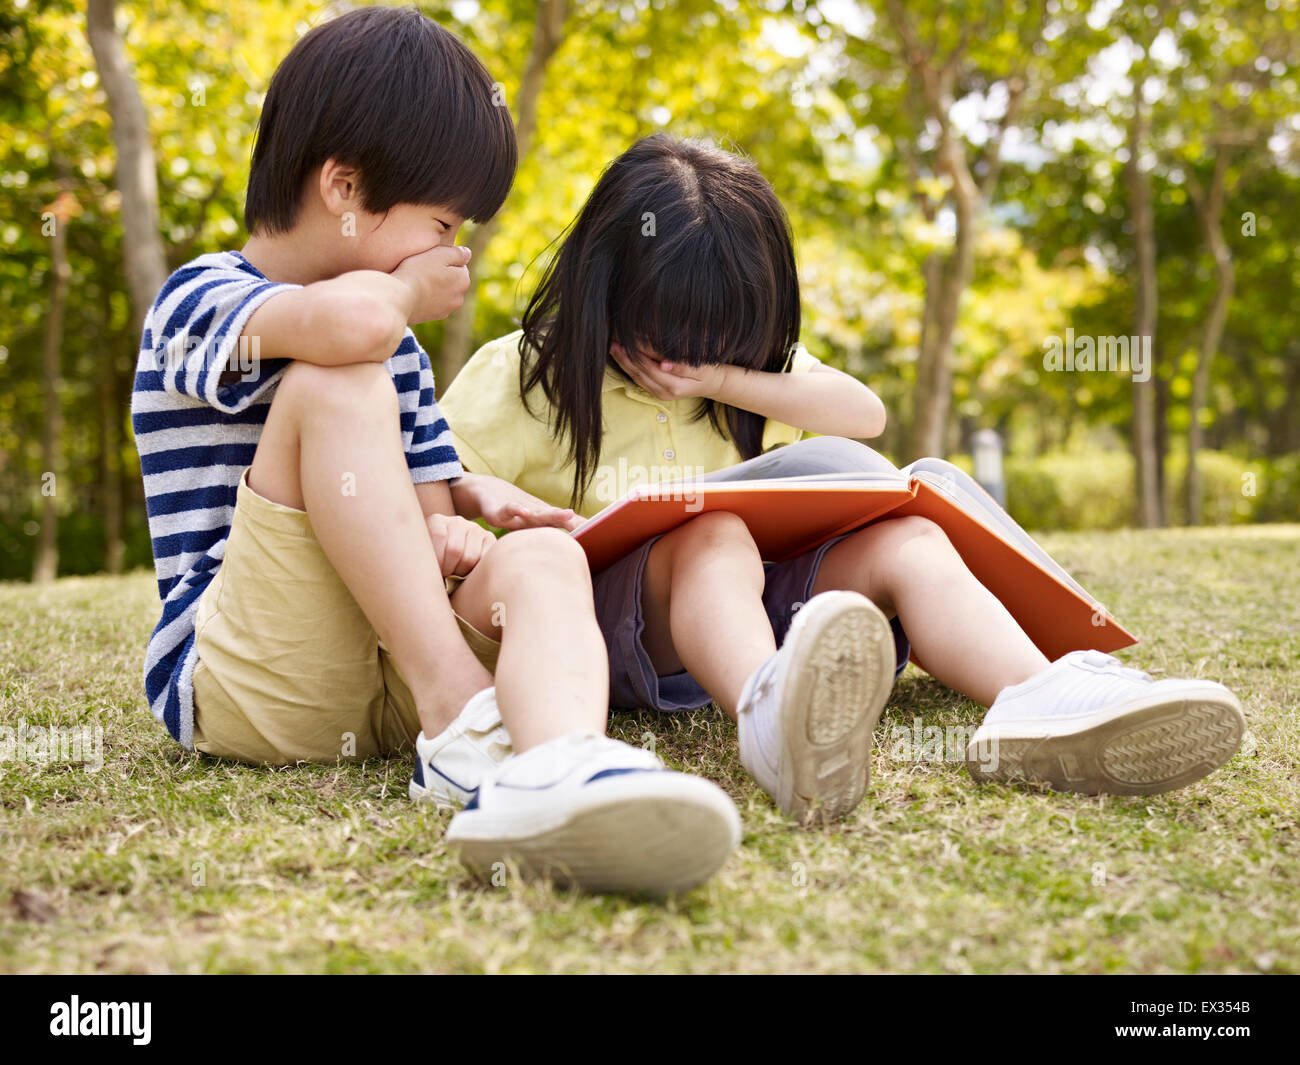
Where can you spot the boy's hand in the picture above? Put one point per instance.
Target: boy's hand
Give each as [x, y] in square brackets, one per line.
[672, 380]
[504, 506]
[436, 280]
[459, 544]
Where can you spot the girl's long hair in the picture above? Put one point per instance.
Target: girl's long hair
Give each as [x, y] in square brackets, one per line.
[682, 249]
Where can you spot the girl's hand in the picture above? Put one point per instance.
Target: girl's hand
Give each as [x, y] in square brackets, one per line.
[672, 380]
[460, 544]
[504, 506]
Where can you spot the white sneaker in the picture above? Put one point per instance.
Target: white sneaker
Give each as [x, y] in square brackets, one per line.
[449, 767]
[1089, 724]
[591, 811]
[806, 715]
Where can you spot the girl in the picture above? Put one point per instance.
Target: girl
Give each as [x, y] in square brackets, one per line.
[663, 341]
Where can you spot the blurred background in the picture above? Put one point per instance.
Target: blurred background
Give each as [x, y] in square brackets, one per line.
[968, 183]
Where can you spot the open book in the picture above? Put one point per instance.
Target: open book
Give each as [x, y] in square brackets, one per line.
[790, 515]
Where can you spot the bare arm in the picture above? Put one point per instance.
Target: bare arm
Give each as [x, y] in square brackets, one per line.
[360, 316]
[824, 400]
[435, 498]
[356, 317]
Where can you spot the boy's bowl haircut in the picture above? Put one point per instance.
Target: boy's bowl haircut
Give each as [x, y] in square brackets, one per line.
[393, 93]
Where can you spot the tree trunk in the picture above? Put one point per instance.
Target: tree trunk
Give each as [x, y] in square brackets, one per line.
[548, 35]
[142, 245]
[1209, 213]
[137, 178]
[924, 399]
[946, 279]
[46, 566]
[1161, 432]
[110, 467]
[1145, 454]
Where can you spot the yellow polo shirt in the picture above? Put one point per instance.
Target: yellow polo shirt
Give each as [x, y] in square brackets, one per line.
[647, 440]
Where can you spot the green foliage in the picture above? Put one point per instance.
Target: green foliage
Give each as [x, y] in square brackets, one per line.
[1065, 490]
[81, 543]
[1082, 490]
[1278, 490]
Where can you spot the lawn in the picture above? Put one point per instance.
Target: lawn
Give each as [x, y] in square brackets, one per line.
[164, 861]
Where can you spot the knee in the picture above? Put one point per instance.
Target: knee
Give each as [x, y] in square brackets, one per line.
[912, 530]
[356, 390]
[526, 555]
[716, 530]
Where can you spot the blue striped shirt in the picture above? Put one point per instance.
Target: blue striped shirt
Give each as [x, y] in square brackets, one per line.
[196, 436]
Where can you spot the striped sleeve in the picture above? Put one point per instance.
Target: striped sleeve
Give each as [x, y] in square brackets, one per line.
[430, 451]
[194, 327]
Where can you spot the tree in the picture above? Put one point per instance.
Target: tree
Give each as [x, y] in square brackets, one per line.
[136, 177]
[1209, 203]
[1137, 179]
[991, 58]
[947, 275]
[136, 172]
[1226, 104]
[548, 35]
[56, 219]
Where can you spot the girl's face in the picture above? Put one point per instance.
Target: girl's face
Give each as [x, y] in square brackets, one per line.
[669, 380]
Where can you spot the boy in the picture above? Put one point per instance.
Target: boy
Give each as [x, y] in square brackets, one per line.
[306, 502]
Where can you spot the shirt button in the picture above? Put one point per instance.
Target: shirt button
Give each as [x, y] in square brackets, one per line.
[661, 416]
[669, 453]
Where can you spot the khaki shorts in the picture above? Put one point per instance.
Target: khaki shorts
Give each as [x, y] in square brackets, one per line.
[289, 669]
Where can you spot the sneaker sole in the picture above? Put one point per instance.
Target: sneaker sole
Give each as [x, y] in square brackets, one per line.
[839, 679]
[653, 837]
[1149, 745]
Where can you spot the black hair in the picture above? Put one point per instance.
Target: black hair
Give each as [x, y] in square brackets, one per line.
[392, 93]
[682, 248]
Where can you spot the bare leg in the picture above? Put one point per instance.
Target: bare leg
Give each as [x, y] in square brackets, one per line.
[325, 424]
[703, 605]
[963, 634]
[532, 591]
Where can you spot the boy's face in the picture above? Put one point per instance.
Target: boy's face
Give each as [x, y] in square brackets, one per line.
[376, 241]
[384, 240]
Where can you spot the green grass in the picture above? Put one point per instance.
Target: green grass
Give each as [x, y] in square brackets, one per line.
[165, 861]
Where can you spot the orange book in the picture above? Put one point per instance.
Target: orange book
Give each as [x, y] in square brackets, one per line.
[790, 515]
